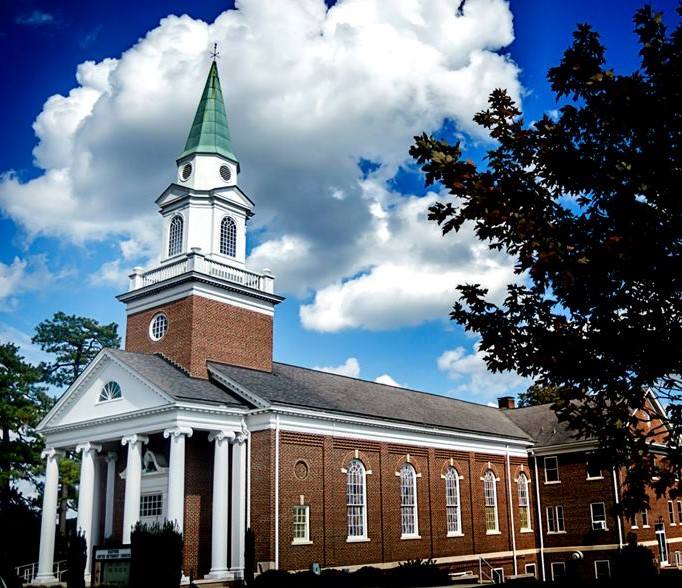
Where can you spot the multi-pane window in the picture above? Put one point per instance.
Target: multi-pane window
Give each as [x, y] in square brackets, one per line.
[679, 511]
[301, 524]
[408, 500]
[593, 466]
[158, 326]
[356, 499]
[598, 512]
[671, 512]
[452, 501]
[558, 571]
[110, 391]
[228, 236]
[551, 470]
[602, 569]
[524, 501]
[555, 519]
[645, 517]
[151, 505]
[490, 496]
[175, 236]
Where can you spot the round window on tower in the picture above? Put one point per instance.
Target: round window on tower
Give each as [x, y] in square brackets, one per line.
[158, 326]
[225, 173]
[186, 171]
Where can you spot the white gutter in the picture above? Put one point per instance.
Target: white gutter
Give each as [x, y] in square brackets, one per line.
[542, 529]
[510, 506]
[277, 492]
[616, 496]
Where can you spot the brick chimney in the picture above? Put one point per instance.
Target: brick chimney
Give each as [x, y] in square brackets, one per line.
[506, 402]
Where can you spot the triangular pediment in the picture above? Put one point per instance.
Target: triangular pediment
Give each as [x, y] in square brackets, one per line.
[232, 194]
[84, 402]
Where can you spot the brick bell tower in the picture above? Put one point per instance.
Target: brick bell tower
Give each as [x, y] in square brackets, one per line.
[201, 303]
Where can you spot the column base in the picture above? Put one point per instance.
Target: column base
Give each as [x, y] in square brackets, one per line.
[220, 575]
[237, 573]
[45, 579]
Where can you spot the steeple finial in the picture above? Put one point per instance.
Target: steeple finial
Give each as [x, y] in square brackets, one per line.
[215, 54]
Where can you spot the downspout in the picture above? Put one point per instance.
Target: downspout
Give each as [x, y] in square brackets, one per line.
[541, 529]
[510, 507]
[277, 492]
[617, 497]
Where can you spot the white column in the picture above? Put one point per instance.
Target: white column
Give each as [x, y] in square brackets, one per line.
[48, 523]
[238, 504]
[111, 458]
[131, 508]
[176, 474]
[86, 498]
[221, 488]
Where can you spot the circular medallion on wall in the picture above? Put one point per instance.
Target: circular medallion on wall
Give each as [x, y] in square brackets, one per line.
[225, 173]
[301, 469]
[158, 326]
[186, 171]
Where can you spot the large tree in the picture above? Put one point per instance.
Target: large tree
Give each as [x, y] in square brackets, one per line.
[23, 402]
[589, 204]
[74, 341]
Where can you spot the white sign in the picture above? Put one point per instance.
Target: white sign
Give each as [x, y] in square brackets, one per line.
[118, 553]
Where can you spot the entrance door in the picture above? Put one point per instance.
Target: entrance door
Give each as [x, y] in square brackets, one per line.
[662, 543]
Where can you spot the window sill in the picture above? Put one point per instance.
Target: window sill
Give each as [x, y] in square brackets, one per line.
[554, 482]
[301, 542]
[556, 532]
[357, 539]
[493, 532]
[604, 529]
[646, 526]
[109, 401]
[672, 524]
[411, 536]
[594, 478]
[455, 535]
[526, 531]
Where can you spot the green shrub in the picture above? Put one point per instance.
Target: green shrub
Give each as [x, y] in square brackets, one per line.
[417, 572]
[249, 556]
[76, 560]
[156, 556]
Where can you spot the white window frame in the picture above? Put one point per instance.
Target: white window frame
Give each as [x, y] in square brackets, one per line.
[645, 518]
[453, 511]
[175, 246]
[408, 476]
[608, 565]
[561, 564]
[305, 509]
[556, 467]
[597, 524]
[524, 481]
[226, 238]
[151, 519]
[671, 514]
[527, 566]
[552, 515]
[679, 510]
[633, 522]
[111, 384]
[362, 504]
[490, 478]
[500, 572]
[587, 470]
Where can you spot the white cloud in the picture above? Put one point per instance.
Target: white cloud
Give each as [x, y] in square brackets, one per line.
[31, 352]
[351, 368]
[388, 380]
[25, 275]
[469, 372]
[309, 92]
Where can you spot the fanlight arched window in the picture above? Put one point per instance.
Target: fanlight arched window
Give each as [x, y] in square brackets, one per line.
[524, 501]
[490, 494]
[228, 236]
[408, 500]
[110, 391]
[452, 501]
[356, 499]
[175, 236]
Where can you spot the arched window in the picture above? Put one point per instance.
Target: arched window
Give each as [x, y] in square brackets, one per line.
[524, 502]
[228, 236]
[452, 501]
[408, 500]
[356, 499]
[110, 391]
[490, 494]
[175, 236]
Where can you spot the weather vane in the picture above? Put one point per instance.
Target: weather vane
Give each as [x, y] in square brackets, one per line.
[214, 53]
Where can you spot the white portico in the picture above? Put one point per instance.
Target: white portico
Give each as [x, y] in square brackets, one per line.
[114, 415]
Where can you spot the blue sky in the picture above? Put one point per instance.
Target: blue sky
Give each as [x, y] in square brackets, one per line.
[51, 263]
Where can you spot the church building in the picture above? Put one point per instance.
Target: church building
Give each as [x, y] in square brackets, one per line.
[194, 422]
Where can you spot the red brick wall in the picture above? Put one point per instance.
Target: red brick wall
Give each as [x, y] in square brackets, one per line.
[262, 484]
[200, 329]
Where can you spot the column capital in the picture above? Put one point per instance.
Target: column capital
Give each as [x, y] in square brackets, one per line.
[240, 438]
[51, 453]
[133, 440]
[88, 447]
[221, 435]
[111, 456]
[178, 432]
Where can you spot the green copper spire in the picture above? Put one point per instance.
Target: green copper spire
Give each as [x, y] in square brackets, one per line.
[209, 132]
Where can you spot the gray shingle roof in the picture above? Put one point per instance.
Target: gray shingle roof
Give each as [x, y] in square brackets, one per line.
[173, 380]
[302, 387]
[543, 425]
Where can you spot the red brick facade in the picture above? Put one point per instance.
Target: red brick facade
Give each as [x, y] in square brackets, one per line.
[201, 330]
